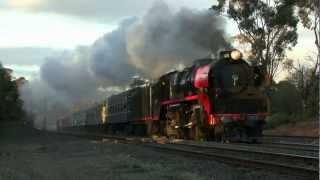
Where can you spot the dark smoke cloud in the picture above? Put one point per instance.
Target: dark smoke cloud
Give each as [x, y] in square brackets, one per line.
[110, 59]
[163, 39]
[147, 46]
[69, 73]
[156, 43]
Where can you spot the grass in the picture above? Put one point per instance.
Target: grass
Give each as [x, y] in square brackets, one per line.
[277, 119]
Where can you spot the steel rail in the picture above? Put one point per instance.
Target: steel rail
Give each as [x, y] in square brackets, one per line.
[259, 154]
[294, 146]
[290, 148]
[290, 139]
[238, 160]
[293, 137]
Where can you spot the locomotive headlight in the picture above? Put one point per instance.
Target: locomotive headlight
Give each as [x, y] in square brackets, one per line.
[236, 55]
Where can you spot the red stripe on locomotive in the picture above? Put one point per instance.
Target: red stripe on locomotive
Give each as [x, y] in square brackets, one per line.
[202, 77]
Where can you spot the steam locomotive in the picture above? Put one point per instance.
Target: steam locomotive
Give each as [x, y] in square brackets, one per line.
[216, 99]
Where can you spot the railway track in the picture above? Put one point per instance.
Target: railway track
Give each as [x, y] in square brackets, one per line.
[247, 156]
[293, 146]
[291, 139]
[304, 166]
[306, 147]
[290, 148]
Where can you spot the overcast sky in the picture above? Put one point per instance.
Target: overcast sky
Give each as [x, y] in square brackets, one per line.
[31, 30]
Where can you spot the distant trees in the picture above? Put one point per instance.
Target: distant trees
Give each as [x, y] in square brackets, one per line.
[268, 26]
[286, 99]
[10, 104]
[305, 76]
[309, 13]
[286, 104]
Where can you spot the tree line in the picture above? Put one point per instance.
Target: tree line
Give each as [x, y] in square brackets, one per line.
[10, 103]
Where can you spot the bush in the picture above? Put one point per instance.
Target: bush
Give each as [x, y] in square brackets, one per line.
[277, 119]
[286, 99]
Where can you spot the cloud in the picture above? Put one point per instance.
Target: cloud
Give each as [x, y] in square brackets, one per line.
[25, 55]
[102, 10]
[92, 9]
[30, 72]
[26, 68]
[23, 3]
[27, 29]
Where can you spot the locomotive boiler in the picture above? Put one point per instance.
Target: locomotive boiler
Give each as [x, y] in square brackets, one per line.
[220, 99]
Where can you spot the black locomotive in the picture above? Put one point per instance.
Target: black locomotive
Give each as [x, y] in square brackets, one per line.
[220, 99]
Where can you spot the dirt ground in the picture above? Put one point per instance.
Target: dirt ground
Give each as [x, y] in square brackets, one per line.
[31, 155]
[303, 128]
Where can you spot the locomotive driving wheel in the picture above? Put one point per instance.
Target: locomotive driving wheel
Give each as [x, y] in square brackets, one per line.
[197, 132]
[172, 124]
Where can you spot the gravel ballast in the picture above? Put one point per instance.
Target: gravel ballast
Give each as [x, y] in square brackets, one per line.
[29, 154]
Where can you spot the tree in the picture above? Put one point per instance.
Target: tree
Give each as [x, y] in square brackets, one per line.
[269, 27]
[10, 104]
[286, 99]
[309, 13]
[303, 76]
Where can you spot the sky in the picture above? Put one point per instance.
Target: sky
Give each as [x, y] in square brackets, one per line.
[32, 30]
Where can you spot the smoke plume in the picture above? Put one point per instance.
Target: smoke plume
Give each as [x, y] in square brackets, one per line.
[147, 46]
